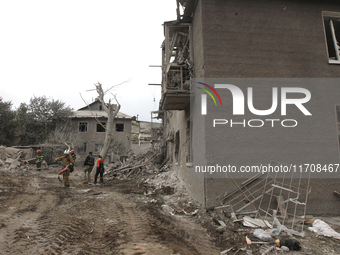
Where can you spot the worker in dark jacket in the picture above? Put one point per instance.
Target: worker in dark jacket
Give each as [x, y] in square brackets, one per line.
[88, 164]
[67, 161]
[99, 171]
[40, 159]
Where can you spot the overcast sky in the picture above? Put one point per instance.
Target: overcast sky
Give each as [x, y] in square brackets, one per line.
[61, 48]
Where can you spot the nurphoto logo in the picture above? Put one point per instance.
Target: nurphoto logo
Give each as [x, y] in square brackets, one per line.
[238, 104]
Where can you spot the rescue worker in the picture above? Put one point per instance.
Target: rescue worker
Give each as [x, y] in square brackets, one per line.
[88, 164]
[74, 156]
[67, 161]
[99, 171]
[40, 159]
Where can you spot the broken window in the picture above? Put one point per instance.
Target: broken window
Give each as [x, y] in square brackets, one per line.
[82, 148]
[332, 33]
[101, 127]
[98, 147]
[83, 127]
[119, 127]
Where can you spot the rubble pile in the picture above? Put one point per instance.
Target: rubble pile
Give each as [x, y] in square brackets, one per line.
[14, 158]
[148, 162]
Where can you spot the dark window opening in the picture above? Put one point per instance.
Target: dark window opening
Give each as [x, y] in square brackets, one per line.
[188, 141]
[101, 127]
[332, 32]
[82, 127]
[119, 127]
[177, 146]
[82, 148]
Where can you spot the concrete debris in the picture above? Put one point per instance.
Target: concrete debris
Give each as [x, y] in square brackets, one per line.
[284, 249]
[255, 223]
[140, 164]
[168, 210]
[15, 163]
[165, 168]
[221, 229]
[2, 153]
[262, 235]
[226, 251]
[14, 158]
[268, 250]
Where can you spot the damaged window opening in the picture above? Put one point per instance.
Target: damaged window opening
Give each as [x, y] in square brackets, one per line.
[176, 56]
[82, 148]
[98, 148]
[119, 127]
[188, 160]
[332, 35]
[101, 127]
[337, 110]
[83, 127]
[177, 147]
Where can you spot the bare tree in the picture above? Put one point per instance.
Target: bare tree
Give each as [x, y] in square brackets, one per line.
[112, 111]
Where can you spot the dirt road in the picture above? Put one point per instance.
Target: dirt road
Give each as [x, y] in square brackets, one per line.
[38, 216]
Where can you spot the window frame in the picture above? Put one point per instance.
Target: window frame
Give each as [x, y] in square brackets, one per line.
[86, 126]
[332, 16]
[98, 125]
[120, 130]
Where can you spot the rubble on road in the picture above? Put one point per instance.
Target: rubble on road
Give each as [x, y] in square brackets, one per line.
[12, 158]
[146, 163]
[234, 229]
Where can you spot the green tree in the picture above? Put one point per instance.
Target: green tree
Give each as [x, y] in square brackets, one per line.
[7, 123]
[39, 118]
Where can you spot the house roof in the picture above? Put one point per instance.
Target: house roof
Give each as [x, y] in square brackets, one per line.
[97, 114]
[93, 110]
[95, 102]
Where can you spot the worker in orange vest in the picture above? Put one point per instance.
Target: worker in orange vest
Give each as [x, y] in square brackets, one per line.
[99, 171]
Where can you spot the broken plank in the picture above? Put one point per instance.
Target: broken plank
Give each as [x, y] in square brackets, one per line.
[282, 209]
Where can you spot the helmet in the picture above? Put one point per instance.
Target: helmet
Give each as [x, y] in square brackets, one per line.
[66, 152]
[72, 150]
[38, 151]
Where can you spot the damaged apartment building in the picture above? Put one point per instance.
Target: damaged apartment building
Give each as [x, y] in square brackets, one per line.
[247, 39]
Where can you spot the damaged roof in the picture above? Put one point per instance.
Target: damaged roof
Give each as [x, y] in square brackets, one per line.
[95, 110]
[97, 114]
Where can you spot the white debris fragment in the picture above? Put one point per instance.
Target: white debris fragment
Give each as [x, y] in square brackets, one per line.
[322, 228]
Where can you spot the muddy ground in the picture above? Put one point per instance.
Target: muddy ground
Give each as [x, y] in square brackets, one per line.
[39, 216]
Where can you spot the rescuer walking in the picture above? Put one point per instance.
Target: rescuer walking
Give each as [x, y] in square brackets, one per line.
[88, 164]
[40, 159]
[74, 156]
[67, 162]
